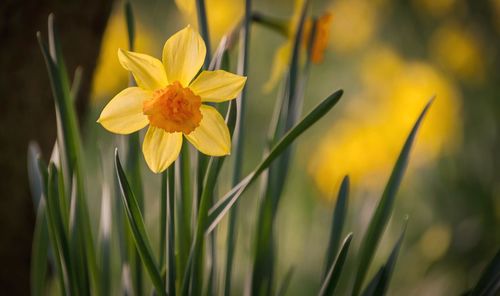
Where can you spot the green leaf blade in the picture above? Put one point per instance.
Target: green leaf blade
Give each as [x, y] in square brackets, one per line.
[218, 211]
[383, 211]
[380, 282]
[136, 222]
[338, 220]
[105, 241]
[70, 143]
[40, 251]
[489, 282]
[58, 233]
[335, 271]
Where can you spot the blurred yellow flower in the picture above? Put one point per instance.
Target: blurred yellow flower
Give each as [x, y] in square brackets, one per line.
[222, 15]
[435, 241]
[170, 101]
[108, 77]
[355, 24]
[284, 52]
[436, 8]
[459, 51]
[365, 142]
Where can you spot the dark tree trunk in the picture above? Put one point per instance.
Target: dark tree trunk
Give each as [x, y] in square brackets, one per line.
[27, 110]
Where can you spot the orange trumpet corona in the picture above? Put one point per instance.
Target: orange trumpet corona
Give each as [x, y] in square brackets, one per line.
[174, 109]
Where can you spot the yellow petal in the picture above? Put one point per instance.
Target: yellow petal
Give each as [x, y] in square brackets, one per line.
[148, 71]
[183, 55]
[217, 86]
[212, 136]
[160, 148]
[280, 64]
[123, 114]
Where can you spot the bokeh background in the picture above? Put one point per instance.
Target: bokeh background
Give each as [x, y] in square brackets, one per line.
[389, 56]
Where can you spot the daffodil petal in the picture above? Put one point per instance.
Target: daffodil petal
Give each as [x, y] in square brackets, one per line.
[212, 136]
[280, 64]
[123, 114]
[160, 148]
[217, 86]
[183, 55]
[148, 71]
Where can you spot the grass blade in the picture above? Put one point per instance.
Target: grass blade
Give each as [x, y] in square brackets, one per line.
[76, 85]
[378, 286]
[105, 240]
[273, 185]
[220, 52]
[201, 160]
[129, 19]
[286, 282]
[76, 244]
[171, 268]
[204, 31]
[184, 206]
[231, 231]
[167, 229]
[136, 223]
[238, 140]
[58, 234]
[70, 142]
[68, 133]
[213, 170]
[40, 250]
[133, 162]
[294, 98]
[384, 208]
[218, 211]
[163, 218]
[334, 272]
[194, 266]
[338, 220]
[35, 178]
[489, 283]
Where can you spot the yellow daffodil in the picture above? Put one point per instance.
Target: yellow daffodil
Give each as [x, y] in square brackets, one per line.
[169, 99]
[284, 52]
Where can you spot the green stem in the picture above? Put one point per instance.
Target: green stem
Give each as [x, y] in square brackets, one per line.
[167, 240]
[163, 219]
[278, 25]
[203, 25]
[198, 243]
[239, 134]
[170, 231]
[264, 261]
[184, 202]
[133, 164]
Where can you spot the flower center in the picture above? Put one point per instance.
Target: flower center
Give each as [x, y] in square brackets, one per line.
[174, 109]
